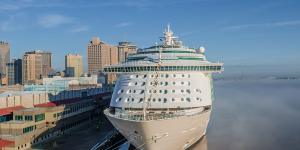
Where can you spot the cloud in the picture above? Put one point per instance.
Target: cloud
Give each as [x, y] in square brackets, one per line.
[53, 20]
[123, 24]
[14, 22]
[263, 25]
[79, 29]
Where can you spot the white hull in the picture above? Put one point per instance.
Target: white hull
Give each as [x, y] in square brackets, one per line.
[168, 134]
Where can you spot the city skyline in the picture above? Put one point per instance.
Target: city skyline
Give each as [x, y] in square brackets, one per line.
[237, 32]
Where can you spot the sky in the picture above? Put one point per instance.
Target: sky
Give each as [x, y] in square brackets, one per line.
[236, 32]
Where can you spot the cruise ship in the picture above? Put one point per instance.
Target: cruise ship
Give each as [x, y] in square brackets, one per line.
[162, 98]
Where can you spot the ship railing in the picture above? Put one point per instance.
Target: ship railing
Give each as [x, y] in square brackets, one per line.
[127, 115]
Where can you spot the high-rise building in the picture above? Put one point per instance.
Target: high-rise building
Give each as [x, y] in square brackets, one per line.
[73, 65]
[124, 49]
[14, 72]
[32, 71]
[101, 54]
[46, 61]
[4, 57]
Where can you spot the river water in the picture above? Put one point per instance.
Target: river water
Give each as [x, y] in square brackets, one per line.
[256, 114]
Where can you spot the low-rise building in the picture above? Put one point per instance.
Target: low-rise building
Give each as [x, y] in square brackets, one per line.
[28, 118]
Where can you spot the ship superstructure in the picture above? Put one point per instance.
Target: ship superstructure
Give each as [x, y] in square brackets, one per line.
[163, 96]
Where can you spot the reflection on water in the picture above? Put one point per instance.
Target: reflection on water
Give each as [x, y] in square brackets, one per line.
[254, 114]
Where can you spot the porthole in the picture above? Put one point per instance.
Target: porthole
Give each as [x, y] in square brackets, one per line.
[165, 100]
[188, 99]
[141, 100]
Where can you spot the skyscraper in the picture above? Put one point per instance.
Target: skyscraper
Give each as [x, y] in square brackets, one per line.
[4, 56]
[14, 72]
[45, 61]
[101, 54]
[124, 49]
[32, 68]
[73, 65]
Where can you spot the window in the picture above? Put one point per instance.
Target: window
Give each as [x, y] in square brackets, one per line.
[166, 83]
[28, 129]
[28, 118]
[39, 117]
[167, 76]
[188, 91]
[173, 91]
[182, 83]
[173, 99]
[174, 83]
[54, 115]
[166, 91]
[19, 117]
[159, 99]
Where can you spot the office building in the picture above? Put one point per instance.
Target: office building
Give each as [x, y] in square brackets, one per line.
[73, 65]
[99, 55]
[4, 56]
[14, 72]
[124, 49]
[31, 68]
[46, 61]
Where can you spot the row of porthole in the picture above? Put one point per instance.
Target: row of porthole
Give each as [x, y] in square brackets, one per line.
[140, 100]
[162, 76]
[153, 83]
[188, 91]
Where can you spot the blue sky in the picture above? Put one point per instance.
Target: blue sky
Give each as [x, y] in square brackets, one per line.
[237, 32]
